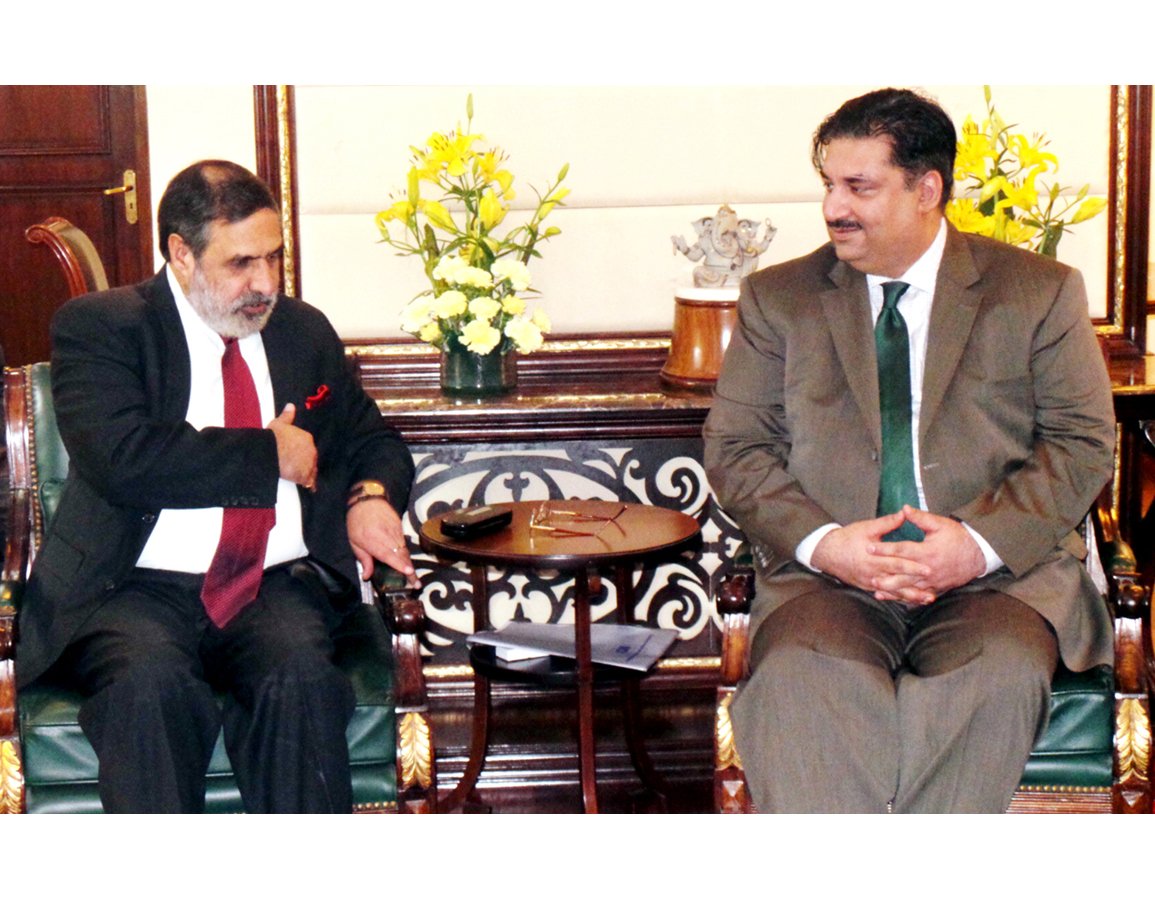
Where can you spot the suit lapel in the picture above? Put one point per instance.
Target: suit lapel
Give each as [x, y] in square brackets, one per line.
[284, 363]
[847, 311]
[956, 303]
[172, 351]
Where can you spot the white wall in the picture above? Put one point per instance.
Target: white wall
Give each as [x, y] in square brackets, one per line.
[644, 163]
[186, 124]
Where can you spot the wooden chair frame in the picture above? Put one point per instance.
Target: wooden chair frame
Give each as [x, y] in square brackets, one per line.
[75, 252]
[403, 613]
[1129, 602]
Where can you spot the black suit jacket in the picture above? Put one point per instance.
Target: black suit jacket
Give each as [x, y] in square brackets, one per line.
[120, 383]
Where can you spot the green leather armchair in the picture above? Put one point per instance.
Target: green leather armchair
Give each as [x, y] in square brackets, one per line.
[1094, 755]
[47, 765]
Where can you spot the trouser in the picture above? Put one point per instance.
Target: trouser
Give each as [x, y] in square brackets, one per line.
[148, 661]
[860, 705]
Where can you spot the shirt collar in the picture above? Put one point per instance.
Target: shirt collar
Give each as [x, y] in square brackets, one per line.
[195, 328]
[924, 273]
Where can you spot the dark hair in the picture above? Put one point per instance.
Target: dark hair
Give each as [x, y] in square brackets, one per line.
[206, 192]
[922, 136]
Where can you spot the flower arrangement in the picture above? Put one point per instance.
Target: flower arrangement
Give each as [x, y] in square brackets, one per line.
[477, 277]
[999, 170]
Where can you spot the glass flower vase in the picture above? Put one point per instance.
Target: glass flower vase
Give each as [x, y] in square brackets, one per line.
[468, 374]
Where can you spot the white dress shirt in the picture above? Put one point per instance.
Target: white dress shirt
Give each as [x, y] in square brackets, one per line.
[185, 540]
[914, 305]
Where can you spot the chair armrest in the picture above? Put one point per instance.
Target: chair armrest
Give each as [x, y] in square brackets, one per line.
[18, 549]
[404, 616]
[1129, 600]
[735, 594]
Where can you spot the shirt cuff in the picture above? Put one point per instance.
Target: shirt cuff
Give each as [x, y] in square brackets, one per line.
[805, 548]
[992, 558]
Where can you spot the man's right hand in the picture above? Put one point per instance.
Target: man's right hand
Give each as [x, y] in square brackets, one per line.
[296, 452]
[848, 554]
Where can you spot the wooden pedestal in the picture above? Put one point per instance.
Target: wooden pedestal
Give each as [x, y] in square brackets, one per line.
[704, 319]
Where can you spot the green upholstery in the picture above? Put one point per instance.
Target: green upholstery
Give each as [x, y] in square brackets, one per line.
[60, 766]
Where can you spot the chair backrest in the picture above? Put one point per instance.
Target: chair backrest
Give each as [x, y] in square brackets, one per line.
[75, 252]
[37, 460]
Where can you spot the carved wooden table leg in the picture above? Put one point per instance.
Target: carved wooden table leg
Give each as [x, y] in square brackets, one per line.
[465, 791]
[585, 691]
[631, 700]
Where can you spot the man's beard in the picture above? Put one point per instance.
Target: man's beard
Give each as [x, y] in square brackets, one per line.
[229, 320]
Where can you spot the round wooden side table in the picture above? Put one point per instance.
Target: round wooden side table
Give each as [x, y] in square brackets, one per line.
[577, 536]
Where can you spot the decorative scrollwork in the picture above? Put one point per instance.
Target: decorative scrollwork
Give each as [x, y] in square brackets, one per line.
[416, 751]
[11, 778]
[1132, 740]
[727, 753]
[659, 472]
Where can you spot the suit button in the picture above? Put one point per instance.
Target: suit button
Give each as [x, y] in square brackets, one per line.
[148, 518]
[110, 586]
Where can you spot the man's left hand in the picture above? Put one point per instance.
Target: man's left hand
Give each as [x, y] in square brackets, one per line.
[948, 549]
[375, 533]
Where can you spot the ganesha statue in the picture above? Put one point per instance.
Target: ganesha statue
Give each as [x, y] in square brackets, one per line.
[727, 246]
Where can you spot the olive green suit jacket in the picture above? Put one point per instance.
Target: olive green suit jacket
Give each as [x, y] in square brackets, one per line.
[1016, 432]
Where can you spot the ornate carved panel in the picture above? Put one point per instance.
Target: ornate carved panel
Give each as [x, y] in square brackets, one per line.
[677, 594]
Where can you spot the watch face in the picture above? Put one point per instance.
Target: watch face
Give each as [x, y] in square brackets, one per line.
[373, 489]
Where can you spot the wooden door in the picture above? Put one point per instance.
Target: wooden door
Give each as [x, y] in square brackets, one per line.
[61, 148]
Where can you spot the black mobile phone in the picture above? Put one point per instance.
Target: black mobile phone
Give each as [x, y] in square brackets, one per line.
[465, 524]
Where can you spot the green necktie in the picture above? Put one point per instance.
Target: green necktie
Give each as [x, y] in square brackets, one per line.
[893, 349]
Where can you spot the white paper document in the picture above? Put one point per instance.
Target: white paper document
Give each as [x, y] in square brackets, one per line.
[629, 646]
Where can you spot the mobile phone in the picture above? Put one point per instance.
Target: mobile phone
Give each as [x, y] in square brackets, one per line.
[465, 524]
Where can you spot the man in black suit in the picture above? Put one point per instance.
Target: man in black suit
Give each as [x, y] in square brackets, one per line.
[226, 474]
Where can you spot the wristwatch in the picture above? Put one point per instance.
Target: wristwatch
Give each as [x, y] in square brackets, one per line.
[366, 490]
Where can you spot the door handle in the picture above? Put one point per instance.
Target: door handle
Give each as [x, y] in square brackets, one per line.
[129, 191]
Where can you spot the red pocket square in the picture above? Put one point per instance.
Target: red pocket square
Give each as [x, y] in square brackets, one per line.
[321, 395]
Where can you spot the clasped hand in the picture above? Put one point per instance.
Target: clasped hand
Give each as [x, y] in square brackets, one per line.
[910, 571]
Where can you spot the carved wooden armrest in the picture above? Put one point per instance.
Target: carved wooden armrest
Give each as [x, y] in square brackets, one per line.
[16, 558]
[404, 616]
[1129, 599]
[735, 594]
[11, 764]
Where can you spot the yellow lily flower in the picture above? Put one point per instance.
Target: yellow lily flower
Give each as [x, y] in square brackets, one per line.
[1088, 209]
[490, 210]
[437, 214]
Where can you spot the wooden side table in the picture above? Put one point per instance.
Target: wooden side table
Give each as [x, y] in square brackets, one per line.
[577, 536]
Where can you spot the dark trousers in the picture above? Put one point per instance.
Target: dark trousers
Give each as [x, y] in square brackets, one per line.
[148, 662]
[858, 705]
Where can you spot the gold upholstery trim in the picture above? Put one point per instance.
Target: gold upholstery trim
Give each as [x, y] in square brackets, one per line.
[11, 778]
[1132, 740]
[727, 753]
[416, 751]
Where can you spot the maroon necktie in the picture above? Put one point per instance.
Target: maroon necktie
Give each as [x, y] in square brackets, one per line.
[235, 574]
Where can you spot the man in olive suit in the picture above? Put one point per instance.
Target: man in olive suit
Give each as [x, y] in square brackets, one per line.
[909, 424]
